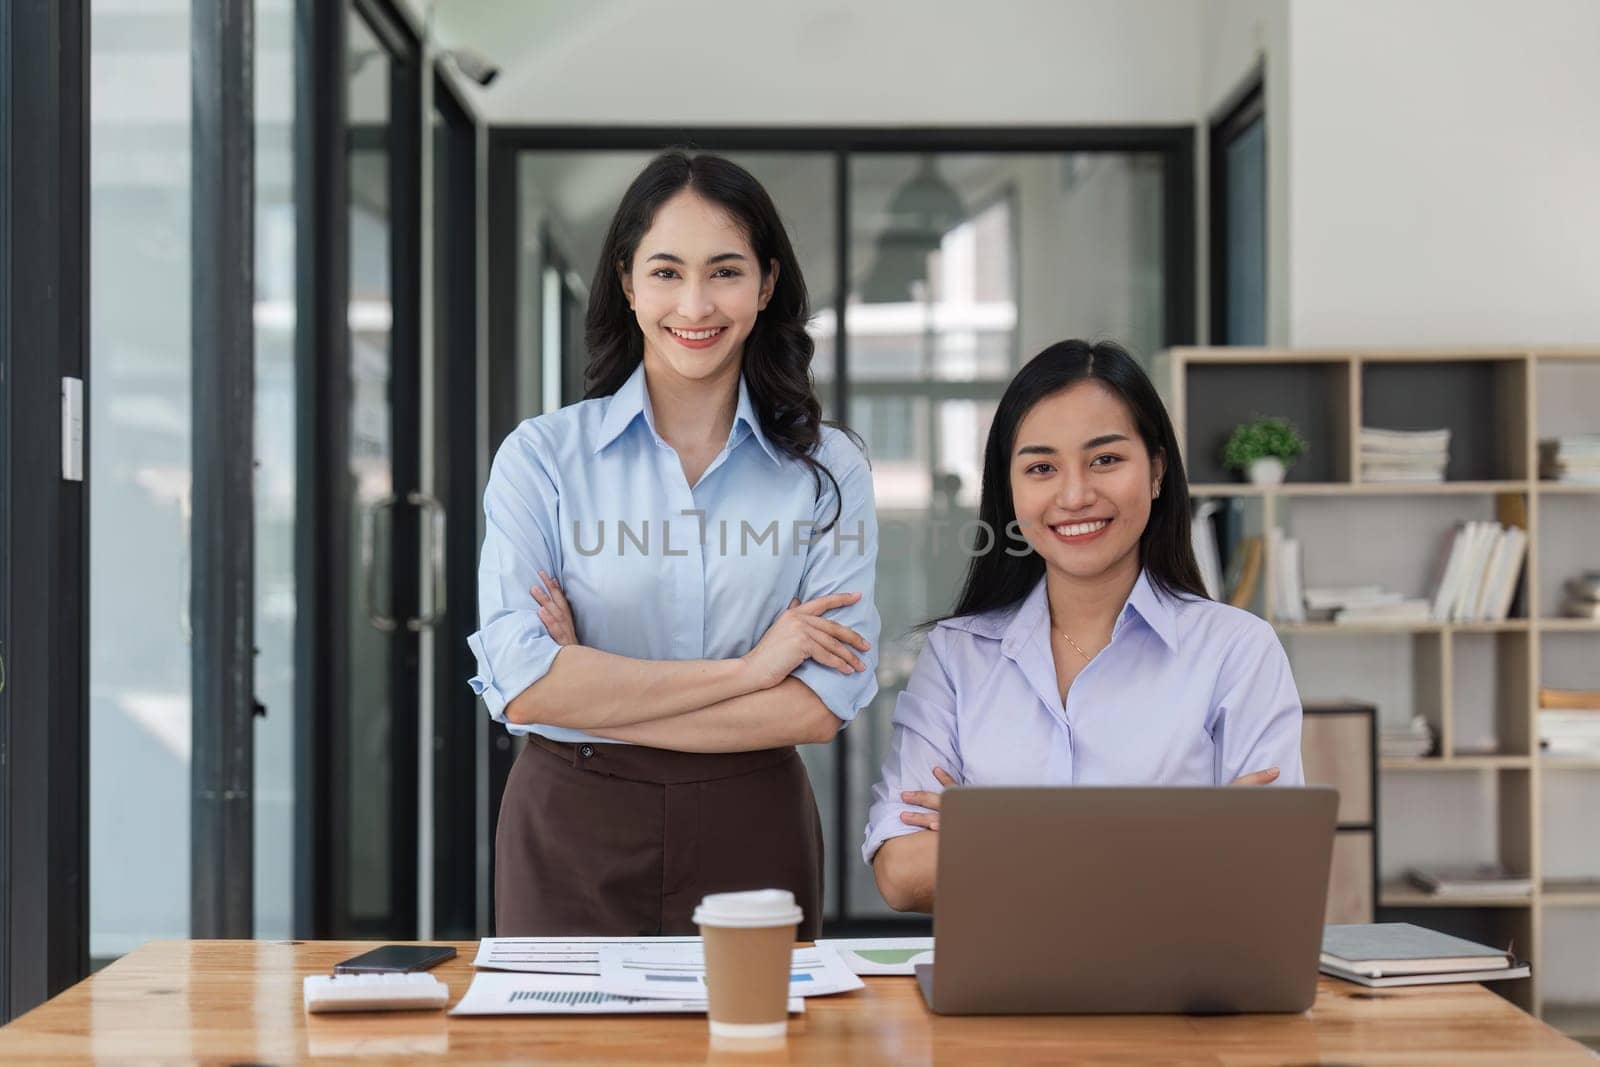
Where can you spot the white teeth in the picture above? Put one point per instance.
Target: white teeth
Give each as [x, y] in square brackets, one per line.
[1077, 528]
[697, 335]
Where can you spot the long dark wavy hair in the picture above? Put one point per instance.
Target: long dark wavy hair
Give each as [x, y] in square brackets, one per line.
[998, 579]
[777, 354]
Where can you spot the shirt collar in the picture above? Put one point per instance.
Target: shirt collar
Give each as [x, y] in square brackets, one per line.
[746, 413]
[632, 400]
[626, 404]
[1154, 608]
[1033, 614]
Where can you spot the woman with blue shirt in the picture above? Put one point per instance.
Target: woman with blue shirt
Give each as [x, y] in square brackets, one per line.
[1083, 649]
[676, 585]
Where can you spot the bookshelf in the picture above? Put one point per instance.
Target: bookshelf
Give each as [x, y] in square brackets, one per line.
[1488, 794]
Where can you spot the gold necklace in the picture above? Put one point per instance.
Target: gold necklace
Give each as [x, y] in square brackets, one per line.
[1074, 644]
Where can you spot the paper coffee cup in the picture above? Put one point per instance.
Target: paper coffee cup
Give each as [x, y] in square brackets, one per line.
[749, 944]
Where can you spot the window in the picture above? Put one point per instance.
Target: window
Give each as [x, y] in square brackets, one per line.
[1239, 223]
[954, 257]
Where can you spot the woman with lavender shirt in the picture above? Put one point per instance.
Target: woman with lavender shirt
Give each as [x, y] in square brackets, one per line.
[1083, 649]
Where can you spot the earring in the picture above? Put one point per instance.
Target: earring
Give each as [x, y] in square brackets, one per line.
[1155, 494]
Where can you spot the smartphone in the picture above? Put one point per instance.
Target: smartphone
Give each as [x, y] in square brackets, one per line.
[396, 959]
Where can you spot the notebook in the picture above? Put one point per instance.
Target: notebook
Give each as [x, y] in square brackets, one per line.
[1385, 950]
[1519, 971]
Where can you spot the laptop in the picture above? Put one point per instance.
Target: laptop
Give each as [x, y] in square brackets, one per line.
[1129, 899]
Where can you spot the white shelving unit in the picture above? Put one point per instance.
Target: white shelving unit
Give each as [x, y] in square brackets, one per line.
[1498, 403]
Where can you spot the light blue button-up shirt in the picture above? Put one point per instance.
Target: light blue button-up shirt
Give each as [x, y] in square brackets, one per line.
[655, 568]
[1188, 692]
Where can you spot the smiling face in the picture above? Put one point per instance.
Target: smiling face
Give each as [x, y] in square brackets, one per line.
[1082, 482]
[695, 287]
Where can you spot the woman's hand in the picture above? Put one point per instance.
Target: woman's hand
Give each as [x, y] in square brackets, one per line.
[1266, 777]
[554, 611]
[801, 633]
[923, 798]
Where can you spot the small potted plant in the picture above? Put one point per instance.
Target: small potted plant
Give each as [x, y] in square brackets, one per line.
[1263, 449]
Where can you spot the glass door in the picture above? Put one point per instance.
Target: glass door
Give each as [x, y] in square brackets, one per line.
[374, 734]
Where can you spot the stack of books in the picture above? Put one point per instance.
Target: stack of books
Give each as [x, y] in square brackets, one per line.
[1412, 741]
[1575, 458]
[1481, 573]
[1569, 722]
[1365, 604]
[1583, 597]
[1404, 455]
[1470, 882]
[1396, 954]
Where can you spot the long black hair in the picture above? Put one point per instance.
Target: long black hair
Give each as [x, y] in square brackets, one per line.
[777, 354]
[998, 578]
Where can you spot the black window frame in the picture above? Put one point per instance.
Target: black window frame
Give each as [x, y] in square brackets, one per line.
[1176, 145]
[1234, 121]
[460, 737]
[323, 561]
[222, 538]
[44, 610]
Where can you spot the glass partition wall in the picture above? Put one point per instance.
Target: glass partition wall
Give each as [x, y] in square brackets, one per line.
[955, 258]
[140, 458]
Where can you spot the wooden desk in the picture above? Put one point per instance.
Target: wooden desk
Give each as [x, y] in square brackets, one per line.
[239, 1002]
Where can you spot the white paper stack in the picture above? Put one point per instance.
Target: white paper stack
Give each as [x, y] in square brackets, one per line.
[1570, 733]
[1574, 458]
[1583, 597]
[1412, 741]
[1471, 880]
[1480, 574]
[1365, 604]
[1404, 455]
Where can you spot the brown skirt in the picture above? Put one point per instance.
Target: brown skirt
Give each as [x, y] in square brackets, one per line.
[623, 840]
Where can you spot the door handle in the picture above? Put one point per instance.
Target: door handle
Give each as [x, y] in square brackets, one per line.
[369, 543]
[435, 557]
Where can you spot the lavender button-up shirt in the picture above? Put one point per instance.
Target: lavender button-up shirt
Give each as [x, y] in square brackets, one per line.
[1188, 692]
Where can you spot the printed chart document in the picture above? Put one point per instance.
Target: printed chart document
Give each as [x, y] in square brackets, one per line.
[557, 955]
[567, 994]
[881, 955]
[680, 971]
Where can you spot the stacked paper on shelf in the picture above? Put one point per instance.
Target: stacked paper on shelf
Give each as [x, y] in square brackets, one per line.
[1481, 572]
[1583, 597]
[1404, 455]
[1574, 458]
[1569, 722]
[1476, 880]
[1365, 604]
[1412, 741]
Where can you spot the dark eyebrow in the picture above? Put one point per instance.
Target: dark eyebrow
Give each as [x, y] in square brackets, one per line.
[1036, 450]
[721, 257]
[1104, 439]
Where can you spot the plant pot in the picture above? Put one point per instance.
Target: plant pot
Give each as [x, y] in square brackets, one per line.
[1266, 471]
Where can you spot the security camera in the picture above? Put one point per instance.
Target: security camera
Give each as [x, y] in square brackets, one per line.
[474, 64]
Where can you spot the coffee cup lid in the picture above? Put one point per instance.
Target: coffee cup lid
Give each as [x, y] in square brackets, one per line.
[757, 907]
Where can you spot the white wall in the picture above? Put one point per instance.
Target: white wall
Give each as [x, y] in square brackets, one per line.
[1444, 171]
[911, 62]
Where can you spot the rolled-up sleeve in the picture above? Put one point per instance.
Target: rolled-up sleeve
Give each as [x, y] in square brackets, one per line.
[520, 508]
[1258, 713]
[924, 738]
[844, 559]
